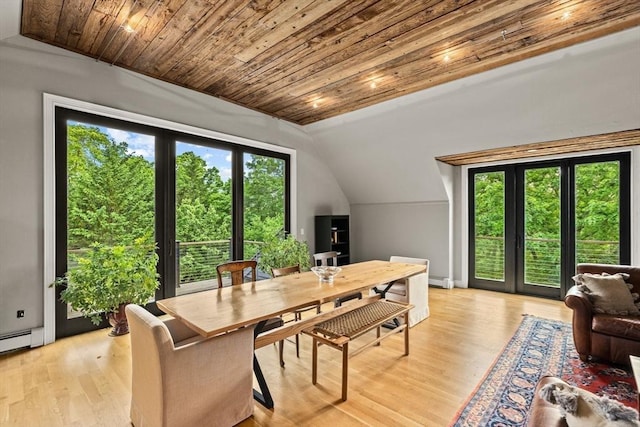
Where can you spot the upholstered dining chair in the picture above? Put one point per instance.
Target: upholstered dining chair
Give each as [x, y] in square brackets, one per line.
[236, 270]
[297, 314]
[331, 258]
[413, 290]
[180, 378]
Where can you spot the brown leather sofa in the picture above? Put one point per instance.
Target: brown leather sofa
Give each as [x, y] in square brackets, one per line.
[604, 336]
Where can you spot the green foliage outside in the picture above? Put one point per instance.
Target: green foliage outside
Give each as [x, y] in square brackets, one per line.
[597, 220]
[110, 192]
[284, 252]
[111, 200]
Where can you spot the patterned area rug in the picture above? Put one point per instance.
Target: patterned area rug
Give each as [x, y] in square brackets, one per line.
[539, 347]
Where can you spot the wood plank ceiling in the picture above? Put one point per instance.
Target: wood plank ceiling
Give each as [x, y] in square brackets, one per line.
[307, 60]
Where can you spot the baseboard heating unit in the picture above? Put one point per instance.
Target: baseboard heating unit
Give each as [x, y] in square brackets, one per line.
[29, 338]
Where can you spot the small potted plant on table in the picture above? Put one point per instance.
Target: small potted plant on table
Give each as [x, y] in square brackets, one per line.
[108, 278]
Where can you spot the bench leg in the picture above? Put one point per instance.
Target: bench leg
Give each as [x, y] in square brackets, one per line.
[314, 363]
[345, 370]
[378, 334]
[406, 334]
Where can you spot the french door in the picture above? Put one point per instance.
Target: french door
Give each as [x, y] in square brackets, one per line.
[530, 224]
[200, 201]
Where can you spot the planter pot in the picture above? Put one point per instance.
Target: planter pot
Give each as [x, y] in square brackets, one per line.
[118, 321]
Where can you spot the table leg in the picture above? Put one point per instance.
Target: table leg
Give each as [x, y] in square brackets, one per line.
[383, 295]
[264, 395]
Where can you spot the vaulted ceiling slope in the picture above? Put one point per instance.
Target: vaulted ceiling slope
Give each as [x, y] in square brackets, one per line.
[307, 60]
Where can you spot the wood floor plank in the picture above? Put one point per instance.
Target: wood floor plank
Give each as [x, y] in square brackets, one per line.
[85, 380]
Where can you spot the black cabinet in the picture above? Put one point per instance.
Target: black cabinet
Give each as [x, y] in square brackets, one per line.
[332, 234]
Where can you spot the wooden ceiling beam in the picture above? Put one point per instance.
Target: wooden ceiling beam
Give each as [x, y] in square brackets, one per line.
[548, 148]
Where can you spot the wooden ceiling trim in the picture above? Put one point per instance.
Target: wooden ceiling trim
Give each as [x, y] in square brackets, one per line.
[333, 31]
[538, 149]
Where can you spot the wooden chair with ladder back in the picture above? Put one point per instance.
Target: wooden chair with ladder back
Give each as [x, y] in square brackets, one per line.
[297, 314]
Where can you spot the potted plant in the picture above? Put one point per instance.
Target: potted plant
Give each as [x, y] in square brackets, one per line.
[108, 278]
[284, 252]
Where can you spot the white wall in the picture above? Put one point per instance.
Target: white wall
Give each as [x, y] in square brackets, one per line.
[384, 154]
[405, 229]
[27, 70]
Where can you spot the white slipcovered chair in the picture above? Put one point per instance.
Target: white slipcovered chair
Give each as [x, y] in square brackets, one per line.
[413, 290]
[182, 379]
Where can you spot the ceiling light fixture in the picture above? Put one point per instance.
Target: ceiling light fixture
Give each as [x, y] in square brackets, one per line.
[372, 85]
[150, 12]
[315, 104]
[566, 15]
[446, 58]
[127, 28]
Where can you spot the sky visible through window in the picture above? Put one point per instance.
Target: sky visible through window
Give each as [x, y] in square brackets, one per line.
[144, 145]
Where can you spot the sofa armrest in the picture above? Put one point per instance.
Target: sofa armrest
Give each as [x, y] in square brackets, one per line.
[582, 308]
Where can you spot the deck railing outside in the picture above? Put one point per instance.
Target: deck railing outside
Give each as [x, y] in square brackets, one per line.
[542, 258]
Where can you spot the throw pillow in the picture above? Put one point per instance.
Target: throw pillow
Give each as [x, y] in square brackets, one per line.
[635, 295]
[608, 294]
[581, 408]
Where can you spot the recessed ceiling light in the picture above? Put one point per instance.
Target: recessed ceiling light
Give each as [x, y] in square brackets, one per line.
[315, 104]
[372, 85]
[446, 58]
[566, 15]
[128, 28]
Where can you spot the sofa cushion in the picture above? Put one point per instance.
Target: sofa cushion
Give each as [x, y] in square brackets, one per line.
[619, 326]
[608, 294]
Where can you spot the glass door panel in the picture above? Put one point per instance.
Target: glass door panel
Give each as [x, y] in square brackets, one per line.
[542, 227]
[203, 215]
[597, 213]
[264, 203]
[110, 196]
[488, 263]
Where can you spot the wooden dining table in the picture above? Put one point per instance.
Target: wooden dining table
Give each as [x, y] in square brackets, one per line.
[218, 311]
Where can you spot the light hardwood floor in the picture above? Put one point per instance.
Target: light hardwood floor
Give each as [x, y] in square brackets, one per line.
[85, 380]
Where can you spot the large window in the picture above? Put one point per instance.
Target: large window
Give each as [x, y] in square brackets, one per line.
[201, 201]
[530, 224]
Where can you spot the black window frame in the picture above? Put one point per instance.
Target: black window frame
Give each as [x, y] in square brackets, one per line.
[514, 220]
[165, 143]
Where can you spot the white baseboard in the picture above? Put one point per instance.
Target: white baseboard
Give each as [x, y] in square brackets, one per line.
[443, 282]
[32, 338]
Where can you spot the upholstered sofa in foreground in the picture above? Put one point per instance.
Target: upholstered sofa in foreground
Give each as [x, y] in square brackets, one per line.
[610, 337]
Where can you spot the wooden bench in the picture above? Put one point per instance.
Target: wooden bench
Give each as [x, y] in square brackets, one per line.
[337, 331]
